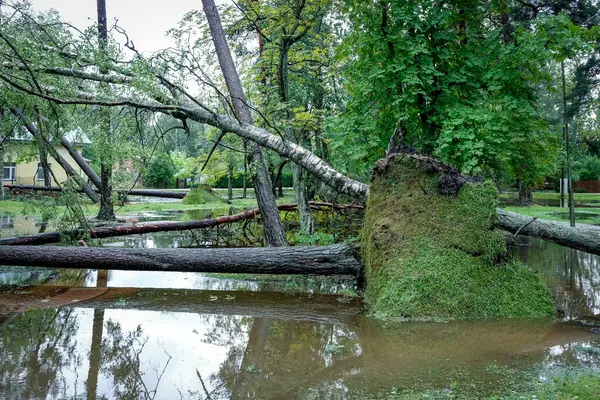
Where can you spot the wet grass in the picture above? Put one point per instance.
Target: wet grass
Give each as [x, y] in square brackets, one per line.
[11, 207]
[567, 383]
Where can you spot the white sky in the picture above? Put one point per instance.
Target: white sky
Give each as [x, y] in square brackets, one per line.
[146, 21]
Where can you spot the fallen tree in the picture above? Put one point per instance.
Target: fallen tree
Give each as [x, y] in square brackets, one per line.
[339, 259]
[85, 167]
[157, 226]
[132, 192]
[582, 237]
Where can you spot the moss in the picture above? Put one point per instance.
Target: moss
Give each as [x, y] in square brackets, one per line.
[202, 195]
[436, 255]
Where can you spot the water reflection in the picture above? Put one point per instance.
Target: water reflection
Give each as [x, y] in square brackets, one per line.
[572, 275]
[56, 354]
[11, 225]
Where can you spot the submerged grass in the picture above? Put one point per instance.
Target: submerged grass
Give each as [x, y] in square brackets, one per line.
[432, 255]
[577, 383]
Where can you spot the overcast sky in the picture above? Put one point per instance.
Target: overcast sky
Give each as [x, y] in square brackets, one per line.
[146, 21]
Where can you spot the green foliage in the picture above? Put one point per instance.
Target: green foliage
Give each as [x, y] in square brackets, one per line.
[160, 172]
[466, 95]
[587, 169]
[429, 255]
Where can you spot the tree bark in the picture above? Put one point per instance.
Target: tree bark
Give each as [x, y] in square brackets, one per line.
[85, 167]
[583, 237]
[338, 259]
[61, 161]
[273, 227]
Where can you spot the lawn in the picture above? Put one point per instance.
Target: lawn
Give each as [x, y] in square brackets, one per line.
[585, 215]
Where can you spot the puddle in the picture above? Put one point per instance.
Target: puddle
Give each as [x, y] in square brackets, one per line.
[116, 353]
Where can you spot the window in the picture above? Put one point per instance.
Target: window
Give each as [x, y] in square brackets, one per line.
[40, 172]
[10, 171]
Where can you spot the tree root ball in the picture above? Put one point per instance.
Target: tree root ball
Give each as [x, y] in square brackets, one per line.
[430, 249]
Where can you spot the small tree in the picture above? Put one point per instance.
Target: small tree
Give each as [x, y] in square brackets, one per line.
[160, 172]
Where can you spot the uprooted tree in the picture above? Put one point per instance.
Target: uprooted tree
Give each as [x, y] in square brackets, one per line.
[429, 245]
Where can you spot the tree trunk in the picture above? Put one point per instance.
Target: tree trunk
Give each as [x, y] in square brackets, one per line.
[273, 227]
[338, 259]
[43, 153]
[230, 181]
[133, 192]
[61, 161]
[245, 177]
[85, 167]
[2, 165]
[278, 184]
[107, 212]
[307, 222]
[583, 237]
[525, 196]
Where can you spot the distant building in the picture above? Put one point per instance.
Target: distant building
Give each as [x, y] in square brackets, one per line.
[22, 163]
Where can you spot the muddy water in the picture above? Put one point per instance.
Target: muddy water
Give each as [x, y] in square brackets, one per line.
[193, 336]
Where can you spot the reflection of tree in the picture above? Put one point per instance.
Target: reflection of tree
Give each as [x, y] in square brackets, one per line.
[35, 347]
[281, 356]
[121, 358]
[95, 354]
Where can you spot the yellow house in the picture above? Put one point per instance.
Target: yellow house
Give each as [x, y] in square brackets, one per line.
[22, 164]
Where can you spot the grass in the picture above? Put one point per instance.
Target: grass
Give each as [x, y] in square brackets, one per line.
[583, 215]
[553, 196]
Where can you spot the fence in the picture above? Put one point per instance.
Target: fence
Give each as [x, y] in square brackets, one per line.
[588, 186]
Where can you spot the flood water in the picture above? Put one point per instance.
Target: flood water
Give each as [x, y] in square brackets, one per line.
[150, 335]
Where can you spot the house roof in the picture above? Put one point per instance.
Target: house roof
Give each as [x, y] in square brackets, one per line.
[76, 136]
